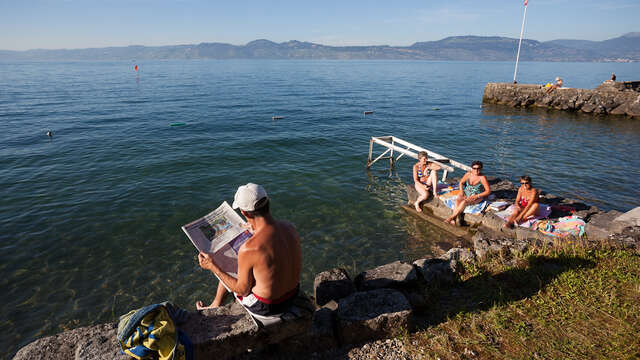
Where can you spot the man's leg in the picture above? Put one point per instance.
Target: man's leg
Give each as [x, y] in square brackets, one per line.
[221, 294]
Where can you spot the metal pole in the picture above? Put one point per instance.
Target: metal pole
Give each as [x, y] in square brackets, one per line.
[391, 157]
[370, 151]
[520, 43]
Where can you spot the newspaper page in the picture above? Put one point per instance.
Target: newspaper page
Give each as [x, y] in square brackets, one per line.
[220, 233]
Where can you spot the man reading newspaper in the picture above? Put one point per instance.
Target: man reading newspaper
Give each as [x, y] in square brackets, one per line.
[269, 262]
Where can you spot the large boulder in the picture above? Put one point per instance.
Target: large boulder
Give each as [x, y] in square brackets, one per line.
[439, 270]
[631, 217]
[221, 332]
[602, 224]
[333, 285]
[321, 336]
[229, 331]
[373, 314]
[96, 342]
[394, 275]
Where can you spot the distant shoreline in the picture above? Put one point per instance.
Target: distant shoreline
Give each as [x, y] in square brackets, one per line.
[625, 48]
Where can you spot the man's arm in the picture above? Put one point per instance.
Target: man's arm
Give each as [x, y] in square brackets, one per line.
[242, 285]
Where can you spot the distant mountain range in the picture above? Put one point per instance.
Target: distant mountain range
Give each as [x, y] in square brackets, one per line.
[463, 48]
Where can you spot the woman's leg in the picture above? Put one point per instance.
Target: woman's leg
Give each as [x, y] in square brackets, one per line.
[433, 180]
[422, 196]
[512, 218]
[533, 210]
[457, 209]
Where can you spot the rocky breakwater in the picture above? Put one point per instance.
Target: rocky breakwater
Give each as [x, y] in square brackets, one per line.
[614, 98]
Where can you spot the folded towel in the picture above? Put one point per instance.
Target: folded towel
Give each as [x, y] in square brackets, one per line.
[563, 227]
[450, 200]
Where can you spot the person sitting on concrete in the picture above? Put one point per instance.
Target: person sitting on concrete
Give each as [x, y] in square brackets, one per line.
[557, 85]
[425, 178]
[269, 262]
[474, 188]
[526, 205]
[611, 81]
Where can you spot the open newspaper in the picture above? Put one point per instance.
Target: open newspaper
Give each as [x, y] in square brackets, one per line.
[220, 233]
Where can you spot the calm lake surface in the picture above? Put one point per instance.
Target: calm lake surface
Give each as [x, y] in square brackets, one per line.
[90, 219]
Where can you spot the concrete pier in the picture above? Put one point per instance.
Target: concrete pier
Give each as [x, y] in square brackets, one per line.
[610, 98]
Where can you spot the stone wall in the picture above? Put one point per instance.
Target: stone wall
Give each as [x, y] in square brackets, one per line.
[614, 98]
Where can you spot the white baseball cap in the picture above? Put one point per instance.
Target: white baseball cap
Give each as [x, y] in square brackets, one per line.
[248, 196]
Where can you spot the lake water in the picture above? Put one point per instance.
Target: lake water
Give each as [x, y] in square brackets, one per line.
[90, 219]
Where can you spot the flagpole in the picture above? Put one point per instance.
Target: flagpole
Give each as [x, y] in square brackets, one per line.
[520, 43]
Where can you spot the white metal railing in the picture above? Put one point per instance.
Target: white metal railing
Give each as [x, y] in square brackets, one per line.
[411, 150]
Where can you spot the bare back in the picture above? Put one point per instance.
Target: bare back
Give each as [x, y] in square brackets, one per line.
[276, 258]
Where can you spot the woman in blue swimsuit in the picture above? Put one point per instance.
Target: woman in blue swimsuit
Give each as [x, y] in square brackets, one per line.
[425, 178]
[475, 189]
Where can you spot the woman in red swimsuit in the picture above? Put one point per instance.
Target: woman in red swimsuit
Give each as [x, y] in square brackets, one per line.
[526, 203]
[425, 178]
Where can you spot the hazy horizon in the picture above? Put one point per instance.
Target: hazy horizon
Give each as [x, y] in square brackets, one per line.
[73, 24]
[303, 41]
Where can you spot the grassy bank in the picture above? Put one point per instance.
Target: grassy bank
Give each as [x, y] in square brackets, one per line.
[569, 303]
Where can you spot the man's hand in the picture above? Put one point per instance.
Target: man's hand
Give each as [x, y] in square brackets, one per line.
[205, 260]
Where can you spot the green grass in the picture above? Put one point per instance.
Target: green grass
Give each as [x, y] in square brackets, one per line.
[551, 303]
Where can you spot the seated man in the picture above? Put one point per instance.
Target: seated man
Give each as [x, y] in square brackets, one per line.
[269, 263]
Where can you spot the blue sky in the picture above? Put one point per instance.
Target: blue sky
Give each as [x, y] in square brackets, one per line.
[55, 24]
